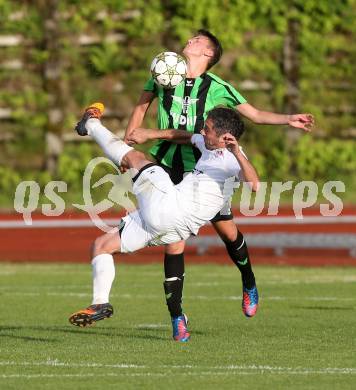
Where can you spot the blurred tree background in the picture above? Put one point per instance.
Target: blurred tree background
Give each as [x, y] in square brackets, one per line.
[56, 56]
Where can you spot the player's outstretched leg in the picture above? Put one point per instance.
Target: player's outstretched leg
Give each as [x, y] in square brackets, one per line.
[103, 277]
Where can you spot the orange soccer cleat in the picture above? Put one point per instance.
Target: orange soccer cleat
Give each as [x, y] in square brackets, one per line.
[95, 110]
[91, 314]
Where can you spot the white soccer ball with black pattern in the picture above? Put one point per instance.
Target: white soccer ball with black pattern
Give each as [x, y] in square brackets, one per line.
[168, 69]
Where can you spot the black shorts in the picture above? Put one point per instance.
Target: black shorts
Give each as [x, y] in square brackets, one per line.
[223, 217]
[177, 176]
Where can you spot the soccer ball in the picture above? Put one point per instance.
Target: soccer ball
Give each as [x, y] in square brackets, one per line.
[168, 69]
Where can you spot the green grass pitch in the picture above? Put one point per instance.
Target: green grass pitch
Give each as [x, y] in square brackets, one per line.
[303, 337]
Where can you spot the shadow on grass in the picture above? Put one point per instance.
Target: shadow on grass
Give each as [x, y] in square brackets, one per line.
[133, 334]
[106, 332]
[324, 308]
[30, 338]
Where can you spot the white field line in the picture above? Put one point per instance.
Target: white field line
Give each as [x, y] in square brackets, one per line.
[52, 289]
[149, 374]
[271, 220]
[191, 297]
[350, 279]
[343, 279]
[210, 284]
[201, 370]
[57, 363]
[111, 374]
[308, 280]
[152, 326]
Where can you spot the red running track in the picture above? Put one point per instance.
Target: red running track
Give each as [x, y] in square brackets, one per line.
[60, 244]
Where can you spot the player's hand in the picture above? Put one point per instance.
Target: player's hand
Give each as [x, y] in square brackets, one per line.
[137, 136]
[302, 121]
[231, 143]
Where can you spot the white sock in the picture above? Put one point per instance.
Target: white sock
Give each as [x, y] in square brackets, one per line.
[114, 148]
[103, 276]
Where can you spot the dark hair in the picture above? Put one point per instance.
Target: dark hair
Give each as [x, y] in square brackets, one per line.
[226, 120]
[217, 48]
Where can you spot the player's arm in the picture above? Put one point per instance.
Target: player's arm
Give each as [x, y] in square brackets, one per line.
[139, 112]
[299, 121]
[140, 136]
[248, 171]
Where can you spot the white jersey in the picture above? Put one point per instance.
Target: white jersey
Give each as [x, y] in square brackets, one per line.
[169, 213]
[203, 192]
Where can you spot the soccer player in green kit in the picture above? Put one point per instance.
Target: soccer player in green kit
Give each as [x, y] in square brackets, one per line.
[186, 108]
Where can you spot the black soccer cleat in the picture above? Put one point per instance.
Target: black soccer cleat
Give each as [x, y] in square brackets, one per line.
[91, 314]
[95, 110]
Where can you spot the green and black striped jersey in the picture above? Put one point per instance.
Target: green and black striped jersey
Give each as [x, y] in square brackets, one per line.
[186, 108]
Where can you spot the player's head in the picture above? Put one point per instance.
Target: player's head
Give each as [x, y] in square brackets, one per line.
[205, 44]
[226, 120]
[221, 120]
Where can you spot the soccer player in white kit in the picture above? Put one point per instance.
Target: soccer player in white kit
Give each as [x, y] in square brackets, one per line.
[167, 213]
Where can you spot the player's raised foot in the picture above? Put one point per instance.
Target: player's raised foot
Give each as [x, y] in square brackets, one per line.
[180, 330]
[91, 314]
[249, 301]
[95, 110]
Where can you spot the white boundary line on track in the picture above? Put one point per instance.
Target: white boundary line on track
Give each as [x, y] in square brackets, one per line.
[272, 220]
[215, 370]
[191, 297]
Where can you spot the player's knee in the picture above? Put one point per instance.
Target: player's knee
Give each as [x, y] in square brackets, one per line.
[100, 246]
[132, 157]
[227, 230]
[175, 249]
[229, 235]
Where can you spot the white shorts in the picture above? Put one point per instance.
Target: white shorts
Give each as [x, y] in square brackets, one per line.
[158, 220]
